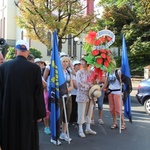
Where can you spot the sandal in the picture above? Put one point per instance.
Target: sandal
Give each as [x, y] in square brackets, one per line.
[114, 126]
[123, 126]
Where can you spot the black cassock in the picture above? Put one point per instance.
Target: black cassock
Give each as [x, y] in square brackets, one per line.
[21, 104]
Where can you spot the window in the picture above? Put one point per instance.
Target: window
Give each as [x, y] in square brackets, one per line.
[69, 44]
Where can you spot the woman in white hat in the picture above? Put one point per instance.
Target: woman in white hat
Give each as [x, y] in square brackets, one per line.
[65, 60]
[83, 99]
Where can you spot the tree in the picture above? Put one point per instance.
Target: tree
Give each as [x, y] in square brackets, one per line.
[11, 53]
[41, 17]
[114, 18]
[133, 19]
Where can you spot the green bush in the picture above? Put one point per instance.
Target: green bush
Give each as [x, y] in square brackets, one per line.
[36, 53]
[136, 63]
[11, 53]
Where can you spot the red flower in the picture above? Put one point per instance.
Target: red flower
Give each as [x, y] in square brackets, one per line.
[99, 60]
[102, 39]
[92, 34]
[103, 55]
[103, 51]
[108, 59]
[109, 52]
[89, 40]
[108, 38]
[97, 42]
[106, 63]
[95, 52]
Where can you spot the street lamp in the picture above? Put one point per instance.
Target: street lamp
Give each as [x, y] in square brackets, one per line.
[76, 39]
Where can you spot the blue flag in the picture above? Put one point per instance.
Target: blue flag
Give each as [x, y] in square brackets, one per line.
[126, 78]
[57, 88]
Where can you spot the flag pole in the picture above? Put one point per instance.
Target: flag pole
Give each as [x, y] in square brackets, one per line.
[66, 119]
[120, 107]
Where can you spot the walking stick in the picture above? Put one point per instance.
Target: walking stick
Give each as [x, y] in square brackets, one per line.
[66, 118]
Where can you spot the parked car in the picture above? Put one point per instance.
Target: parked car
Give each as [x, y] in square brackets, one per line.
[143, 94]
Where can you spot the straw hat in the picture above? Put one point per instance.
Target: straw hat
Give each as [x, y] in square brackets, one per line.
[95, 91]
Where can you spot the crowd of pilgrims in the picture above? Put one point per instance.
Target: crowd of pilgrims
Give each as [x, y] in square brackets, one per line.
[79, 102]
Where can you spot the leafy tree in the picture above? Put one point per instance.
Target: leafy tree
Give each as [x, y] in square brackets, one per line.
[133, 19]
[114, 18]
[41, 17]
[11, 53]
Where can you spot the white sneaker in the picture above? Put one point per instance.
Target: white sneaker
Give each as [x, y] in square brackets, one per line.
[90, 131]
[100, 121]
[81, 134]
[64, 136]
[55, 142]
[92, 122]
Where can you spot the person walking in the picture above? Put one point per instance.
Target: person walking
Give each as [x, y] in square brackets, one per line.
[21, 101]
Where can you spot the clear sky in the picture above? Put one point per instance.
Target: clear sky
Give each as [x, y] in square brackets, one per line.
[98, 9]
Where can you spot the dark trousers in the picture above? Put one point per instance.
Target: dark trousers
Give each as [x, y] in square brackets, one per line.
[73, 117]
[68, 104]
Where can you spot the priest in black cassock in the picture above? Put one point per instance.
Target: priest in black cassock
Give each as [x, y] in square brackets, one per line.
[21, 101]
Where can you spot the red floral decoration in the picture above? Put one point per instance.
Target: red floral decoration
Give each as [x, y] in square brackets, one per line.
[101, 58]
[95, 52]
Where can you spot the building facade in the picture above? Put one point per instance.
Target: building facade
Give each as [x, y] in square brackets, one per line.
[11, 32]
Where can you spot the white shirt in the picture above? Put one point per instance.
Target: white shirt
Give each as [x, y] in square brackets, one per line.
[114, 83]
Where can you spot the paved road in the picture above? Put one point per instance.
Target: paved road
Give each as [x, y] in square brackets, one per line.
[135, 137]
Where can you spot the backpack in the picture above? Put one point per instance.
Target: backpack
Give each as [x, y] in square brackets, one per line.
[118, 78]
[116, 74]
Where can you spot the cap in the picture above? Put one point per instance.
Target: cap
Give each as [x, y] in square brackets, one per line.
[76, 62]
[22, 45]
[38, 60]
[64, 56]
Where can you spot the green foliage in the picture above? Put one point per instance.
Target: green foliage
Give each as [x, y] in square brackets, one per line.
[140, 48]
[114, 18]
[36, 53]
[41, 17]
[11, 53]
[136, 64]
[87, 47]
[133, 19]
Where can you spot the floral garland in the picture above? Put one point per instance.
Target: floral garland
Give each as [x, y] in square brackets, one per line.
[97, 53]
